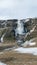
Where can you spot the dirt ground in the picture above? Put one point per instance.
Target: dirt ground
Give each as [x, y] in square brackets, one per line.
[11, 57]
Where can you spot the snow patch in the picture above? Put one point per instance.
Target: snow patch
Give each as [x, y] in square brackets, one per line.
[27, 50]
[26, 20]
[2, 63]
[32, 29]
[30, 43]
[2, 37]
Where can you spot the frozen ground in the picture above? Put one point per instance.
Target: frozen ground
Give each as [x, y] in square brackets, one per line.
[2, 63]
[27, 50]
[30, 43]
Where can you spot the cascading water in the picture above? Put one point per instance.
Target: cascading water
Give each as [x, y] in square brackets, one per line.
[20, 28]
[19, 32]
[22, 32]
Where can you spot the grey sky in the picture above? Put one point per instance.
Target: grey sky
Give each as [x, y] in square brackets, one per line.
[18, 9]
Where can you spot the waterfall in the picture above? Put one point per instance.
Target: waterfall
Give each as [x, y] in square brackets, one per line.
[19, 29]
[19, 32]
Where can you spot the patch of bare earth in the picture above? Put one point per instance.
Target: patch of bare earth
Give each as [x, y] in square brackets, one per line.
[11, 57]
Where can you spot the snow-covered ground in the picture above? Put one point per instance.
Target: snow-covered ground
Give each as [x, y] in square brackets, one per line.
[27, 50]
[2, 63]
[29, 43]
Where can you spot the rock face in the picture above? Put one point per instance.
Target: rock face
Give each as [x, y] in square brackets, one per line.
[8, 27]
[29, 30]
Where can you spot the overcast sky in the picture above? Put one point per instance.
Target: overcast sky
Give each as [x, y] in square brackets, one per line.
[18, 9]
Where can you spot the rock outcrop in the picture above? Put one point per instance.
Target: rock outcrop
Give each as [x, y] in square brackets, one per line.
[9, 26]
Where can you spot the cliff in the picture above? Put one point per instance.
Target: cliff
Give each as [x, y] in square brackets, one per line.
[8, 26]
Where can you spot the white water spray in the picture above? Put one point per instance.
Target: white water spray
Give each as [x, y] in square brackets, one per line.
[19, 32]
[20, 28]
